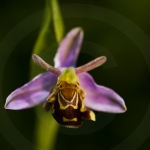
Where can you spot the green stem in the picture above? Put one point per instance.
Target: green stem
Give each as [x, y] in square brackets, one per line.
[46, 130]
[51, 33]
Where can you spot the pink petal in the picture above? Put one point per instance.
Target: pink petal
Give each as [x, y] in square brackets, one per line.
[31, 94]
[69, 49]
[100, 98]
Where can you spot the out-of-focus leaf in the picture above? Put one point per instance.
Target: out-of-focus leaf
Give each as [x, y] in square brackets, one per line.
[46, 35]
[50, 35]
[52, 29]
[57, 20]
[45, 130]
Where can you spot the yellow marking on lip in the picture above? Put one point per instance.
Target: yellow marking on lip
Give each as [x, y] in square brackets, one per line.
[82, 109]
[68, 120]
[68, 93]
[68, 100]
[92, 116]
[67, 126]
[62, 107]
[51, 98]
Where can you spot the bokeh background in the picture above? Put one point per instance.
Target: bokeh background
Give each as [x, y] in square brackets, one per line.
[118, 29]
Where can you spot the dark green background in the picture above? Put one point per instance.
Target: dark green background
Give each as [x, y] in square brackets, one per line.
[131, 78]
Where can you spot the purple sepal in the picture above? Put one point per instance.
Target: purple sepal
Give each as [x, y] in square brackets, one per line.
[31, 94]
[100, 98]
[69, 49]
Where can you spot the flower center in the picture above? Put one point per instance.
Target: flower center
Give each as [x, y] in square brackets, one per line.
[68, 93]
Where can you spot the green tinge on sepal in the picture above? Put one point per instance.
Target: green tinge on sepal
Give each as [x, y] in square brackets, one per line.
[50, 34]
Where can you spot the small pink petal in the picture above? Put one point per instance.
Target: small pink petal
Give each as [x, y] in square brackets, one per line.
[100, 98]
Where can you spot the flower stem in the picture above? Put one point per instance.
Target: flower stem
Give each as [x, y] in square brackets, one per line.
[45, 130]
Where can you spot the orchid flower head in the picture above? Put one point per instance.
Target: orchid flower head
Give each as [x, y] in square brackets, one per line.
[68, 91]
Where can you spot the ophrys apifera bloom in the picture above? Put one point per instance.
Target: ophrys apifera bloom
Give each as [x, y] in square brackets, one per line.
[70, 93]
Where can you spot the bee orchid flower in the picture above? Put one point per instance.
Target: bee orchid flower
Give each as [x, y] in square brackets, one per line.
[70, 93]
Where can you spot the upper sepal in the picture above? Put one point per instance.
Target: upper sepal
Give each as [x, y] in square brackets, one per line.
[31, 94]
[100, 98]
[69, 49]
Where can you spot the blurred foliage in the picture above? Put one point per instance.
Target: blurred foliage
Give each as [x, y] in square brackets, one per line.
[130, 78]
[52, 19]
[50, 34]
